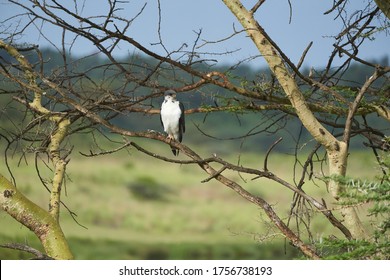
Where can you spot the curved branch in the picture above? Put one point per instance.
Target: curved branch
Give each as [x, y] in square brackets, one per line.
[45, 227]
[269, 151]
[355, 104]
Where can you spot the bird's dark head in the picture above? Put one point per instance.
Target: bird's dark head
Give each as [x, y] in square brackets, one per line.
[170, 95]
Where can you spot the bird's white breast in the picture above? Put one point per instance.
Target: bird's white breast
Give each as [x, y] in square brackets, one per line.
[170, 115]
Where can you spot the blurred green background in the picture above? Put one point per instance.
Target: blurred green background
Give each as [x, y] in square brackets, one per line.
[131, 206]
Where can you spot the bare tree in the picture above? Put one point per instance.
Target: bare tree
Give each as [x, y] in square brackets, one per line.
[69, 100]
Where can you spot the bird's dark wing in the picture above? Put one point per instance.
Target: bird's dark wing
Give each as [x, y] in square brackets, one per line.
[161, 109]
[182, 125]
[161, 120]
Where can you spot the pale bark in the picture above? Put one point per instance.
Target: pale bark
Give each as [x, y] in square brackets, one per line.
[29, 214]
[384, 5]
[59, 120]
[45, 227]
[337, 150]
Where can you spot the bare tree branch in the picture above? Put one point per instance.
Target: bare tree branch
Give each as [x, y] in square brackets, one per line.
[257, 6]
[25, 248]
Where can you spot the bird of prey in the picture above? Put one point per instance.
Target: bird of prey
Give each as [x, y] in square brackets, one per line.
[172, 118]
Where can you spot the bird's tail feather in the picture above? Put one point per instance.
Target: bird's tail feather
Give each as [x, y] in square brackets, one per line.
[175, 151]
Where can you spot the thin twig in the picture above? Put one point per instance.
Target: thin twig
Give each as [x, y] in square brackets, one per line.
[257, 6]
[214, 175]
[93, 154]
[269, 151]
[25, 248]
[304, 56]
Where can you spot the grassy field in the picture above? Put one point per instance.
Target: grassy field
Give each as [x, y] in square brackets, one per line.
[132, 206]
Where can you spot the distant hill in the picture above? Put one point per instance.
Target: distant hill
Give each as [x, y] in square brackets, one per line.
[245, 130]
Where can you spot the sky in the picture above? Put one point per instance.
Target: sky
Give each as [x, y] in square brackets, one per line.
[182, 20]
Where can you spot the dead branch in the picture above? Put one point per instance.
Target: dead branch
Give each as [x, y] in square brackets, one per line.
[25, 248]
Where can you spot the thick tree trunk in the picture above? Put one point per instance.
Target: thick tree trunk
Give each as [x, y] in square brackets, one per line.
[338, 159]
[336, 150]
[44, 225]
[384, 5]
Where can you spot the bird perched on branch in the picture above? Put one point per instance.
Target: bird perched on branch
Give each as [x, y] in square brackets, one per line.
[172, 118]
